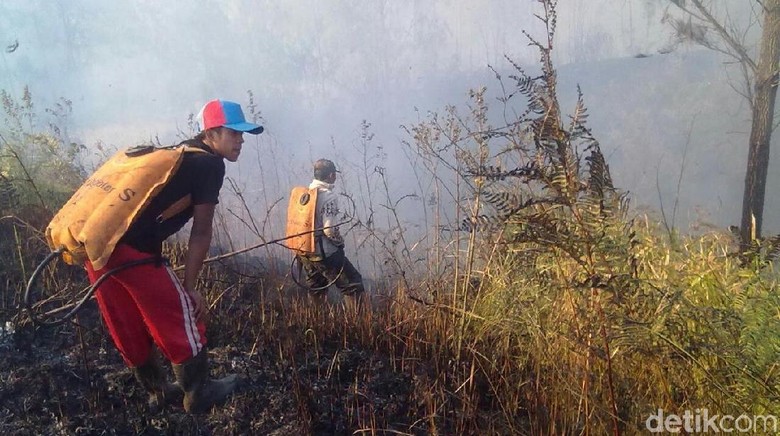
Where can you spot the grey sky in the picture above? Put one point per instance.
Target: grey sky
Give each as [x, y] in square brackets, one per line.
[135, 67]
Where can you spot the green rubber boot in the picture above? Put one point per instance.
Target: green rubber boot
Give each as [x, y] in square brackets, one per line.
[201, 393]
[151, 376]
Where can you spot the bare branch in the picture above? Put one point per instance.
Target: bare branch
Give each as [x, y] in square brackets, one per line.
[728, 38]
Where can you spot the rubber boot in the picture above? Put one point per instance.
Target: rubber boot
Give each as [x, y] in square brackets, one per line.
[151, 376]
[200, 391]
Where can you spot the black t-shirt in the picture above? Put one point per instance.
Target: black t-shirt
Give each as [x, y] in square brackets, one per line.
[199, 175]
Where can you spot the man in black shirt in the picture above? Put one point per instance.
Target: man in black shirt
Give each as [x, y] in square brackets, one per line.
[147, 305]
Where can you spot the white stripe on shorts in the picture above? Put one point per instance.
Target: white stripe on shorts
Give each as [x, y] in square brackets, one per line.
[190, 325]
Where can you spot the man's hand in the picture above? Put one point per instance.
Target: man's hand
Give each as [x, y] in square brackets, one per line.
[201, 307]
[198, 247]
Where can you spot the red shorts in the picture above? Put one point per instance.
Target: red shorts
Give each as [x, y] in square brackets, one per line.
[147, 304]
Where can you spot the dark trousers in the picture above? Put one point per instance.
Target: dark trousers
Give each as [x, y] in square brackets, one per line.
[334, 269]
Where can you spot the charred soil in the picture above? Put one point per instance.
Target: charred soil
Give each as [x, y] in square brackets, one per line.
[71, 380]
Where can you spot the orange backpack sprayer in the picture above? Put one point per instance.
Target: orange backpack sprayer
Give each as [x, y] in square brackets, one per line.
[95, 218]
[300, 220]
[302, 236]
[91, 223]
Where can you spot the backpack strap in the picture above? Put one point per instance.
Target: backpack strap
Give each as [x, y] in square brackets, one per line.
[176, 208]
[183, 203]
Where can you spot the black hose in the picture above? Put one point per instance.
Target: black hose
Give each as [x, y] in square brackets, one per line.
[89, 290]
[297, 260]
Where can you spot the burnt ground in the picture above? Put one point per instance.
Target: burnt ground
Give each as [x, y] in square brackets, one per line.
[70, 380]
